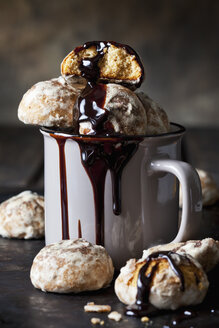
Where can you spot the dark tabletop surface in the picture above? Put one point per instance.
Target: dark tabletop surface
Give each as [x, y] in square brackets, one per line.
[21, 305]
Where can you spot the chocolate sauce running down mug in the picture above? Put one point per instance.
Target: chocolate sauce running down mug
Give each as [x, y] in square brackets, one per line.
[121, 191]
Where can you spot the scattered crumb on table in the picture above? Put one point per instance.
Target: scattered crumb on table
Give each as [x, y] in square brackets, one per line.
[114, 315]
[92, 307]
[145, 319]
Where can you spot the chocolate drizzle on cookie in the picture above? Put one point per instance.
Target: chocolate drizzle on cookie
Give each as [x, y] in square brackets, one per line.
[90, 104]
[91, 109]
[142, 306]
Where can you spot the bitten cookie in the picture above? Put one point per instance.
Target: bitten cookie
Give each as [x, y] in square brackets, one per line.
[22, 216]
[105, 61]
[51, 103]
[205, 251]
[167, 289]
[71, 266]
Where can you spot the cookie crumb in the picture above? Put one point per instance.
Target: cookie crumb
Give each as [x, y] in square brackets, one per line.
[92, 307]
[145, 319]
[95, 321]
[115, 316]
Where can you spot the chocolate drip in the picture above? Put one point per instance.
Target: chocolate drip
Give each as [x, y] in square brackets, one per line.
[117, 156]
[97, 158]
[79, 229]
[98, 155]
[91, 108]
[142, 306]
[63, 187]
[96, 170]
[89, 66]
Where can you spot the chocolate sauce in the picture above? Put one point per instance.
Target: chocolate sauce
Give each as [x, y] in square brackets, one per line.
[91, 109]
[79, 229]
[89, 66]
[63, 187]
[101, 154]
[98, 156]
[143, 306]
[96, 170]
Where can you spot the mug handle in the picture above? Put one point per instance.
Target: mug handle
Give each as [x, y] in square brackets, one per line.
[192, 196]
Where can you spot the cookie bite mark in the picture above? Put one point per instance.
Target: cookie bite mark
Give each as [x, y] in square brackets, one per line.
[105, 61]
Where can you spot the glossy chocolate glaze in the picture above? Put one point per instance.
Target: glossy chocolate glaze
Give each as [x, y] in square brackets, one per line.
[142, 306]
[90, 106]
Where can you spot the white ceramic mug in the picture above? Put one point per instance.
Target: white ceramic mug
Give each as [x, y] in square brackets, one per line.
[149, 195]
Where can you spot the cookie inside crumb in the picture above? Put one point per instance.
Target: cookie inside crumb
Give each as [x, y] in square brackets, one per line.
[92, 307]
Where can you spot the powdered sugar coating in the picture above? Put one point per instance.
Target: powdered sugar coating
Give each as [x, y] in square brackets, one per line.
[125, 291]
[22, 216]
[50, 103]
[157, 119]
[165, 291]
[71, 266]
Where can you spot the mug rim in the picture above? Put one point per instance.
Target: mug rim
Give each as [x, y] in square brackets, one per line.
[64, 134]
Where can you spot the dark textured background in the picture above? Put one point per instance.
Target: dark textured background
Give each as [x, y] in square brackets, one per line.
[177, 40]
